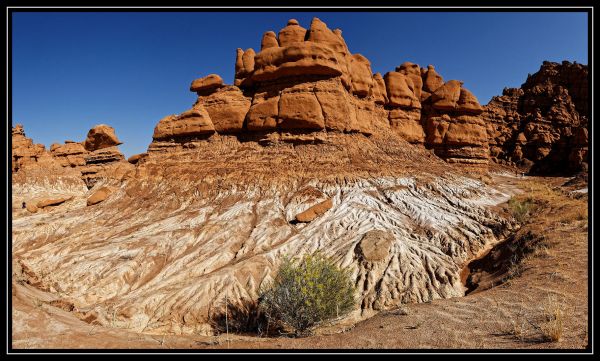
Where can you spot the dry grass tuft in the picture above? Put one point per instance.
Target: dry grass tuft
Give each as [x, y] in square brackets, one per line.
[554, 314]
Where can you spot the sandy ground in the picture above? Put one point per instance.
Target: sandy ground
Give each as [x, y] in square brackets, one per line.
[512, 315]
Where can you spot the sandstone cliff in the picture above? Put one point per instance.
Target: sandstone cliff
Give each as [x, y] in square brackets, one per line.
[542, 126]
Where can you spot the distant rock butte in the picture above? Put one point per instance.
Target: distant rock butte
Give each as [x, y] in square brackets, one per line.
[306, 80]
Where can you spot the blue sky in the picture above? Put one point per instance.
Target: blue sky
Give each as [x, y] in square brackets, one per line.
[72, 71]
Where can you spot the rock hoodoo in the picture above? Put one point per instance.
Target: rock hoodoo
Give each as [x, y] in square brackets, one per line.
[99, 137]
[24, 151]
[95, 158]
[307, 80]
[542, 126]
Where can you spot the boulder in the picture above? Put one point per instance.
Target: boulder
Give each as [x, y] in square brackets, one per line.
[375, 245]
[47, 202]
[315, 211]
[98, 196]
[300, 109]
[468, 103]
[193, 122]
[248, 60]
[207, 84]
[339, 114]
[263, 112]
[432, 81]
[407, 123]
[100, 136]
[378, 90]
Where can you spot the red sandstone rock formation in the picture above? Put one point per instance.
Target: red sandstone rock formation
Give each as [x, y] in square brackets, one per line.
[24, 152]
[306, 80]
[453, 126]
[543, 125]
[207, 84]
[99, 196]
[100, 136]
[315, 211]
[93, 159]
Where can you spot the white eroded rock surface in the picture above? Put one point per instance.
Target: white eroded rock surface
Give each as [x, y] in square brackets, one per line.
[158, 267]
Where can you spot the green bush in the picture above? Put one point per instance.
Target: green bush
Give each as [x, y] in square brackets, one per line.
[307, 292]
[520, 209]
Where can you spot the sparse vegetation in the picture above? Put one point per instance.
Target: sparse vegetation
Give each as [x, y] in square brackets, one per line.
[553, 311]
[547, 325]
[307, 292]
[520, 209]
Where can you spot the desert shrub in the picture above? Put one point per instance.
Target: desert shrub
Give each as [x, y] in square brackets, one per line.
[520, 209]
[306, 292]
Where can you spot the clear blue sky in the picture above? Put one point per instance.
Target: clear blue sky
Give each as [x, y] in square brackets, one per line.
[74, 70]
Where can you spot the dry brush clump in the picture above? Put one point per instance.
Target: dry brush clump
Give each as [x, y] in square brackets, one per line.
[544, 324]
[307, 292]
[521, 209]
[554, 317]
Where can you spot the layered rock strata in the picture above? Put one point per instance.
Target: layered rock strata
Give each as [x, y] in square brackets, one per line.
[304, 81]
[97, 157]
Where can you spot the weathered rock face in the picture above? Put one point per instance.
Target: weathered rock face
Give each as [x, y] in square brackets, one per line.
[306, 80]
[292, 33]
[24, 152]
[361, 75]
[453, 125]
[136, 158]
[413, 72]
[69, 154]
[379, 90]
[224, 225]
[227, 108]
[542, 126]
[91, 160]
[306, 58]
[306, 151]
[432, 81]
